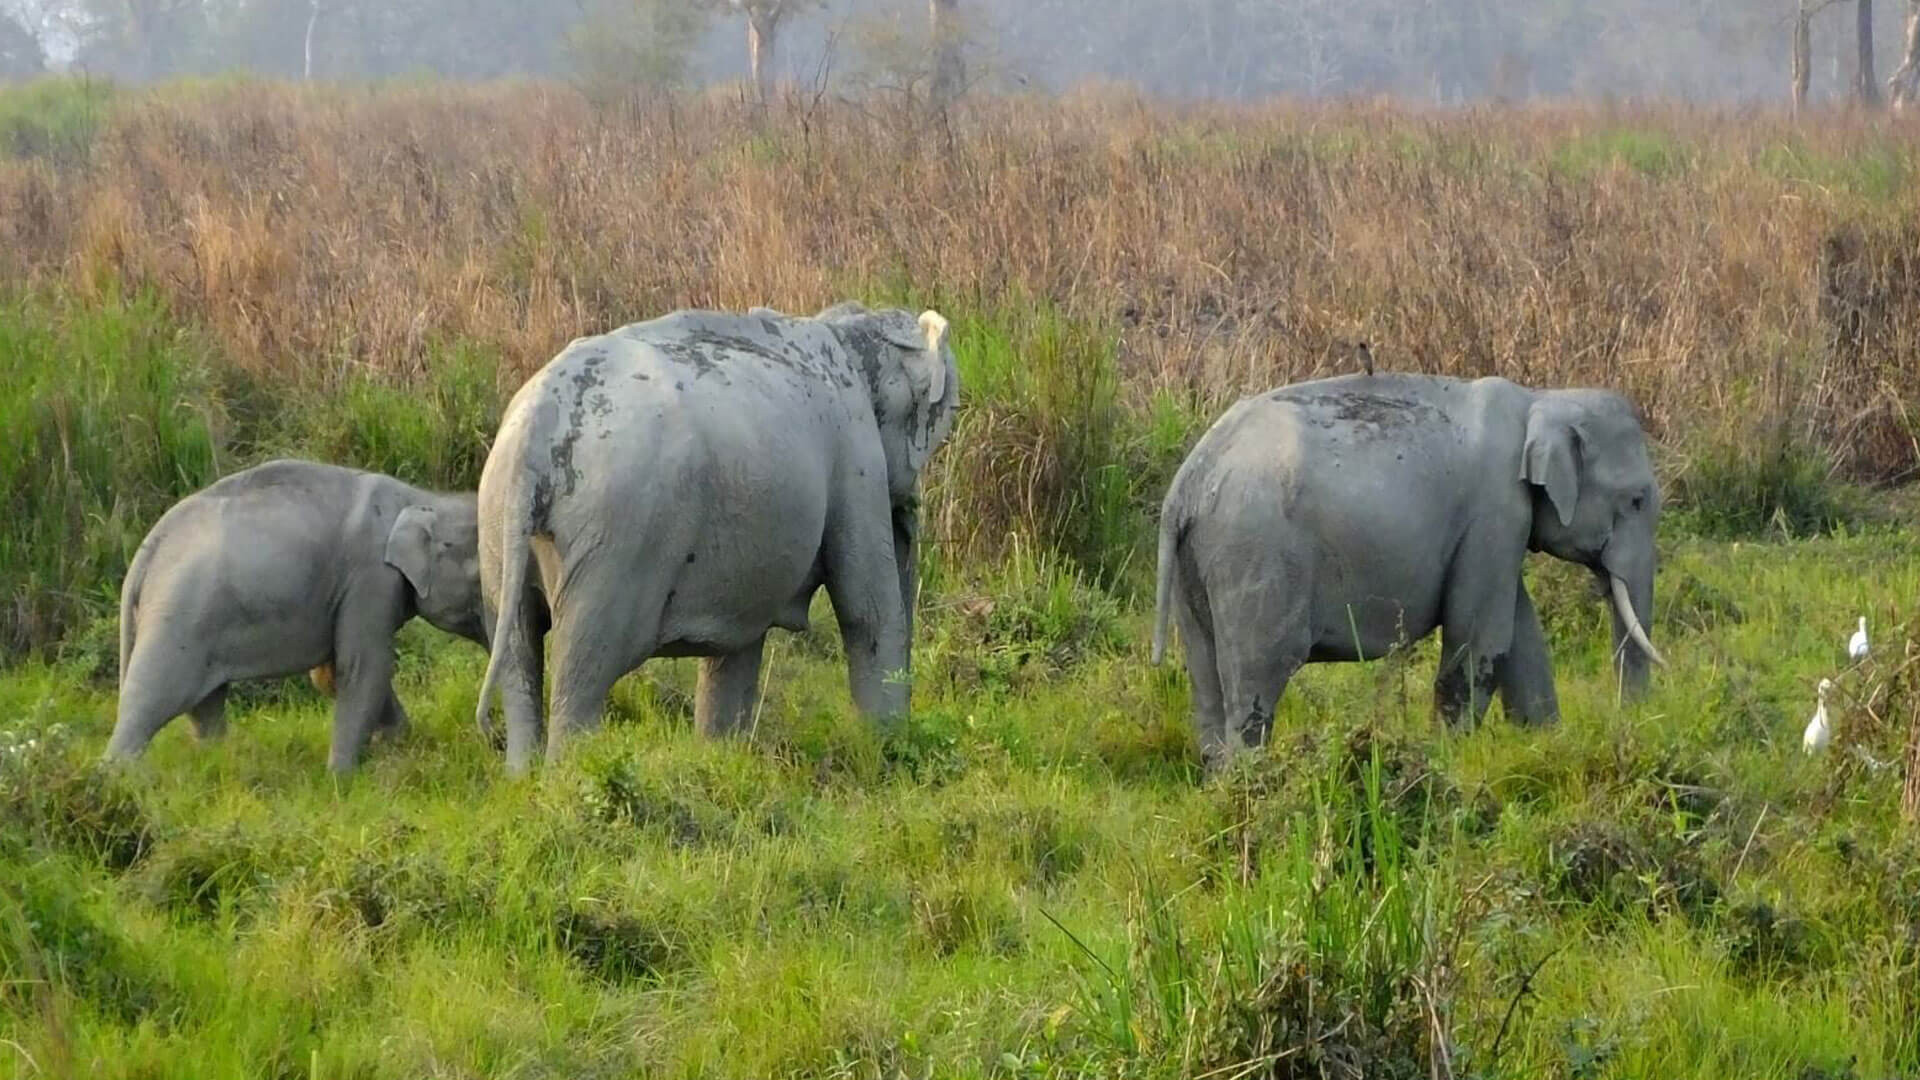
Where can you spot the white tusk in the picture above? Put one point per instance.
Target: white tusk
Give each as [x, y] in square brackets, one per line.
[1635, 631]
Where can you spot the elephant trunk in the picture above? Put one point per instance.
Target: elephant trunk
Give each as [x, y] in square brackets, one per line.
[1631, 597]
[906, 557]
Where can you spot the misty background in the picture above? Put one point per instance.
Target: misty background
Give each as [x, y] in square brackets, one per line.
[1444, 51]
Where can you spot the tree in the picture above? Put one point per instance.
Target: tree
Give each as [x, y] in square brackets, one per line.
[763, 38]
[1802, 53]
[621, 46]
[1904, 85]
[21, 56]
[1866, 89]
[949, 69]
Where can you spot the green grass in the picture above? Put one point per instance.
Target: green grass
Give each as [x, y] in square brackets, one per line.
[54, 118]
[110, 411]
[1030, 881]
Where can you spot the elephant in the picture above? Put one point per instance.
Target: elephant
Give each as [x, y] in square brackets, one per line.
[1332, 520]
[286, 567]
[680, 486]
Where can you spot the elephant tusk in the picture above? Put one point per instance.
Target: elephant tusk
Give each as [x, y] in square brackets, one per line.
[1635, 631]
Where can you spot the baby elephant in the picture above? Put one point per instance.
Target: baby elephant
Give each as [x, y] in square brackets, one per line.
[282, 568]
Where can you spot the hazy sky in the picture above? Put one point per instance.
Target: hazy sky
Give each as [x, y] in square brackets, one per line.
[1432, 50]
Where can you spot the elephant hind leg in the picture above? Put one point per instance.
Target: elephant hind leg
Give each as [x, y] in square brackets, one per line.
[150, 699]
[728, 690]
[1203, 673]
[599, 634]
[210, 715]
[1261, 636]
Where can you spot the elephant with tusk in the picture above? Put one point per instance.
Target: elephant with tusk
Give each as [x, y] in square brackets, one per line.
[678, 487]
[1333, 520]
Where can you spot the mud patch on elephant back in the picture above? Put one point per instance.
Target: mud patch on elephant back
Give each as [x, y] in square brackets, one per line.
[689, 354]
[1380, 412]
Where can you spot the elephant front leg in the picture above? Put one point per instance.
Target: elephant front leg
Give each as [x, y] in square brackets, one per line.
[728, 690]
[393, 724]
[872, 630]
[1525, 674]
[1466, 682]
[1477, 622]
[365, 682]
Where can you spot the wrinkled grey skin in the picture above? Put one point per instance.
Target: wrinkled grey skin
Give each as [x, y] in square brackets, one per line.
[282, 568]
[1332, 520]
[680, 486]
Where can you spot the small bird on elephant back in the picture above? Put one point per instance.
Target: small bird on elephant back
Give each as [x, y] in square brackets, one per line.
[1335, 519]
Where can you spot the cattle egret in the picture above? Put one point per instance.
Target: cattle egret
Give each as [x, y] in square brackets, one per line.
[1857, 645]
[1819, 732]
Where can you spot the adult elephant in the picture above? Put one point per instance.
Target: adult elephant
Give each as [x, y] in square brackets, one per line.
[680, 486]
[1334, 519]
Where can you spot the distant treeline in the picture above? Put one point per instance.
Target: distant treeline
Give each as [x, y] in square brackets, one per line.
[1430, 50]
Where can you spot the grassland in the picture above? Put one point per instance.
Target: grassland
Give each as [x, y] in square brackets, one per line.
[1031, 879]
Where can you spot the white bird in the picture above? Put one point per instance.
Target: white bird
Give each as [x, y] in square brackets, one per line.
[1819, 732]
[1857, 645]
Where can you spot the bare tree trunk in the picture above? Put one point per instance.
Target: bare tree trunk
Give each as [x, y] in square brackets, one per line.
[1866, 88]
[1904, 85]
[313, 19]
[762, 28]
[949, 70]
[1802, 54]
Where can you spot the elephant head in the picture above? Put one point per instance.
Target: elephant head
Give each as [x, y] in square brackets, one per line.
[915, 384]
[1596, 503]
[436, 548]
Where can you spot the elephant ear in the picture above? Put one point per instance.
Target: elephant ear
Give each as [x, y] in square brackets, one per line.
[1551, 457]
[410, 546]
[925, 360]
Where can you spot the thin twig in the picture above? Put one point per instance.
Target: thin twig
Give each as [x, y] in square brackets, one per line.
[1526, 983]
[1751, 833]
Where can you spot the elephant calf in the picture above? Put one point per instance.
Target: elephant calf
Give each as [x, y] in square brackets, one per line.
[1332, 520]
[282, 568]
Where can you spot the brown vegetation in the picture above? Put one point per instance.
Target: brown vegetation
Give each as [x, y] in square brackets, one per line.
[1734, 272]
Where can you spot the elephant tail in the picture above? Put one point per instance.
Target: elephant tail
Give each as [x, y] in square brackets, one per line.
[1163, 587]
[130, 602]
[516, 550]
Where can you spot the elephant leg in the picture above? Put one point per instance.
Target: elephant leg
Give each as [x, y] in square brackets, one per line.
[1477, 623]
[151, 695]
[1203, 673]
[1260, 634]
[863, 581]
[598, 636]
[728, 690]
[1525, 674]
[522, 697]
[393, 723]
[210, 715]
[1466, 682]
[364, 682]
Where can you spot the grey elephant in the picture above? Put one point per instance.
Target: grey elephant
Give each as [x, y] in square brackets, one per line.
[680, 486]
[286, 567]
[1332, 520]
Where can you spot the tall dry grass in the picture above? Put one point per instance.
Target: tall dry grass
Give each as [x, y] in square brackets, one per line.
[1675, 254]
[1751, 280]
